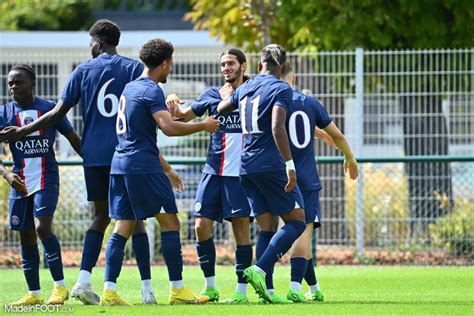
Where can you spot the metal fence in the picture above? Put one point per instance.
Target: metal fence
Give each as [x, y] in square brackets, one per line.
[396, 104]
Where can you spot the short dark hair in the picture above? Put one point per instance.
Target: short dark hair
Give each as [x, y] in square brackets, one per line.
[288, 69]
[273, 54]
[25, 68]
[106, 30]
[155, 51]
[237, 53]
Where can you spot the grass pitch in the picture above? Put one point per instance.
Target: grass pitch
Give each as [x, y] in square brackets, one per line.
[348, 290]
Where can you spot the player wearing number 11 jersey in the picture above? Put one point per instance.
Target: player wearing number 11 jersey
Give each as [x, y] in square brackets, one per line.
[264, 102]
[98, 84]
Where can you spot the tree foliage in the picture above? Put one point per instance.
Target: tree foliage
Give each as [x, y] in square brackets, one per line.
[51, 15]
[338, 24]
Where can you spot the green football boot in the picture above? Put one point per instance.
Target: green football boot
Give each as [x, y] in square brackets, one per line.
[257, 281]
[316, 296]
[211, 293]
[296, 296]
[237, 298]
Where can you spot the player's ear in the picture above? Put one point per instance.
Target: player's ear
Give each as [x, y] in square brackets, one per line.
[244, 66]
[260, 66]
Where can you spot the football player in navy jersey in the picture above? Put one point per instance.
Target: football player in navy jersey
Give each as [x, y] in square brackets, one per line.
[306, 115]
[138, 187]
[34, 183]
[267, 169]
[98, 84]
[220, 194]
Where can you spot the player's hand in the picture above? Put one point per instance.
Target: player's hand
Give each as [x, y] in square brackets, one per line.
[350, 165]
[211, 124]
[15, 181]
[290, 185]
[173, 102]
[176, 181]
[11, 134]
[226, 91]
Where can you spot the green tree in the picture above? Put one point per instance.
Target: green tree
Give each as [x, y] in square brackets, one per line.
[338, 24]
[45, 15]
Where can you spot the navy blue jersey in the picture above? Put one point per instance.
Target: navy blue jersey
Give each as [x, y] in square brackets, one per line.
[256, 99]
[33, 155]
[98, 84]
[305, 114]
[225, 146]
[136, 151]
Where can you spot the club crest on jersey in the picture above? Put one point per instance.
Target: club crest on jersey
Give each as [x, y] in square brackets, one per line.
[27, 120]
[15, 220]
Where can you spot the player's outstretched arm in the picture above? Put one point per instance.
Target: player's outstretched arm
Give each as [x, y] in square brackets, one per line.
[319, 133]
[14, 133]
[350, 164]
[175, 128]
[75, 141]
[13, 179]
[173, 102]
[281, 140]
[176, 181]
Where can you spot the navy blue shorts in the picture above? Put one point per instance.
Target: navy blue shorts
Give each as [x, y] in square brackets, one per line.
[312, 212]
[97, 182]
[23, 211]
[266, 193]
[219, 198]
[140, 196]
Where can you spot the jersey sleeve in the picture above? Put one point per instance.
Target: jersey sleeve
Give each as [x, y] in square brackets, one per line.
[137, 71]
[284, 96]
[203, 102]
[72, 91]
[156, 100]
[323, 119]
[235, 98]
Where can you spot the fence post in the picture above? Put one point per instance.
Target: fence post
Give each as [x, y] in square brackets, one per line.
[150, 227]
[358, 150]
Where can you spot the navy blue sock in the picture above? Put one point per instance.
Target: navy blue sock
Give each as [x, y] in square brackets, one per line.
[141, 247]
[114, 257]
[243, 260]
[310, 276]
[206, 252]
[52, 251]
[171, 248]
[92, 247]
[298, 268]
[280, 244]
[30, 263]
[263, 241]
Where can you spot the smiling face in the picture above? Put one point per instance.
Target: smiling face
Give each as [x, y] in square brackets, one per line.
[231, 68]
[20, 85]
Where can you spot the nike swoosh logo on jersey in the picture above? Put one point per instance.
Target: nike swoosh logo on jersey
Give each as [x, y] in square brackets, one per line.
[40, 208]
[235, 211]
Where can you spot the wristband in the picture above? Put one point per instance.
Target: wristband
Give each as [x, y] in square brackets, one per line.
[290, 165]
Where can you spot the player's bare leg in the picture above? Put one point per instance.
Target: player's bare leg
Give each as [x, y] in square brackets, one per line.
[207, 256]
[171, 249]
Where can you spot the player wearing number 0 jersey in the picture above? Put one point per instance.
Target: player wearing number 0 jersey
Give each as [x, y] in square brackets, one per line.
[220, 194]
[305, 115]
[98, 84]
[264, 103]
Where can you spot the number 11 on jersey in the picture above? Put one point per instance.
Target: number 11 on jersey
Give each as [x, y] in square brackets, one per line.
[253, 109]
